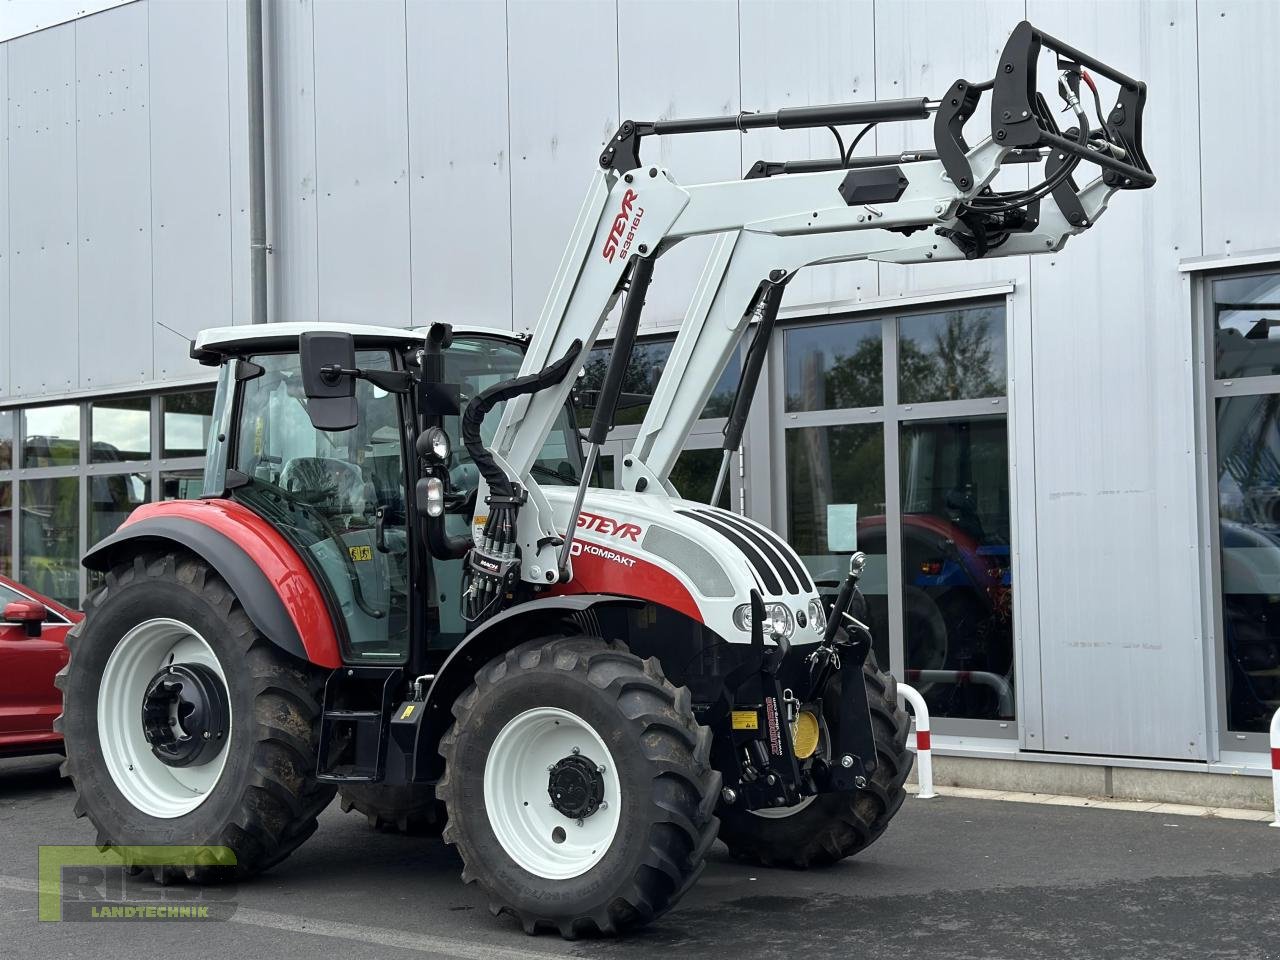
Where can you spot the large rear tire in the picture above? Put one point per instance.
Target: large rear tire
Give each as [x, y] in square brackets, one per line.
[832, 826]
[167, 631]
[579, 787]
[409, 809]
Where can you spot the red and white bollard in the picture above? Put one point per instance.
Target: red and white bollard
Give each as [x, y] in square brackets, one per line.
[924, 747]
[1275, 767]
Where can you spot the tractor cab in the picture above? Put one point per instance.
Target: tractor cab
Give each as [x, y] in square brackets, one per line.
[337, 490]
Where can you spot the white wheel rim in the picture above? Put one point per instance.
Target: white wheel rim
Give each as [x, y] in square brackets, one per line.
[537, 836]
[149, 784]
[823, 750]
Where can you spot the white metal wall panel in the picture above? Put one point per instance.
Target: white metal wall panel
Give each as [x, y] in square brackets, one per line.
[238, 150]
[6, 350]
[362, 146]
[1239, 136]
[1121, 651]
[291, 162]
[190, 177]
[562, 59]
[114, 198]
[460, 174]
[922, 47]
[42, 211]
[801, 54]
[679, 58]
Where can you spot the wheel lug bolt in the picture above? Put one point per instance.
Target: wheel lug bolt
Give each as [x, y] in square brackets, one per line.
[576, 751]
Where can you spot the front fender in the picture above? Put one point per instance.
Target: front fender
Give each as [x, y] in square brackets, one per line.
[270, 580]
[491, 639]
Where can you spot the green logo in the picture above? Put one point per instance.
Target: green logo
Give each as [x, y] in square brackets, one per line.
[92, 883]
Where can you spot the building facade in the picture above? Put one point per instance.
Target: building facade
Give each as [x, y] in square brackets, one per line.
[1065, 468]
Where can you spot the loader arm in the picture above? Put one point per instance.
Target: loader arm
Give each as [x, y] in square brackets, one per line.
[928, 206]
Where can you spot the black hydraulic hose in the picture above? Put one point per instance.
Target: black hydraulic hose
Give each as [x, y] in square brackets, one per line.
[742, 397]
[486, 400]
[624, 342]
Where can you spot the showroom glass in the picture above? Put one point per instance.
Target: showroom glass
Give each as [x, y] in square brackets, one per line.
[48, 537]
[836, 505]
[956, 571]
[6, 439]
[112, 497]
[186, 420]
[833, 365]
[51, 436]
[952, 355]
[648, 360]
[6, 528]
[1248, 469]
[1246, 326]
[694, 475]
[120, 429]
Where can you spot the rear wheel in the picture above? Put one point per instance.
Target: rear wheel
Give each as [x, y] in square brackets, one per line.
[824, 829]
[579, 787]
[410, 809]
[184, 726]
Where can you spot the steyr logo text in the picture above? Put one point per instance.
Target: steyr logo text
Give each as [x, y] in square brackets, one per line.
[620, 224]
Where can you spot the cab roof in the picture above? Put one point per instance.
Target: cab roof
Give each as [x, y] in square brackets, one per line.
[212, 345]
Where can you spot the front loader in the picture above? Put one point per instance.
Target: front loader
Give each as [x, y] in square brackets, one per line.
[401, 582]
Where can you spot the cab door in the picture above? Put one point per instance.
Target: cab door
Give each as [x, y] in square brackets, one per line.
[339, 496]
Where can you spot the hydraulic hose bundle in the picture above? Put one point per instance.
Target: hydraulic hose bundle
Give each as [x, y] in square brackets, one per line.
[492, 570]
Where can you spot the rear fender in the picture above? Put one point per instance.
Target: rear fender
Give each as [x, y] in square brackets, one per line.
[270, 580]
[493, 638]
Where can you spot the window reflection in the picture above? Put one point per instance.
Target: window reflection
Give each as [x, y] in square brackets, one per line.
[956, 573]
[6, 529]
[1248, 432]
[835, 505]
[6, 439]
[187, 417]
[1246, 313]
[181, 484]
[833, 365]
[51, 436]
[48, 537]
[956, 355]
[648, 360]
[694, 475]
[120, 429]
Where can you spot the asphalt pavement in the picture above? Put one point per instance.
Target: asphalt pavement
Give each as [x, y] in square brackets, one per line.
[952, 878]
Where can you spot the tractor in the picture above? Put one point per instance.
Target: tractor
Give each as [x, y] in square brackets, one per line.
[403, 583]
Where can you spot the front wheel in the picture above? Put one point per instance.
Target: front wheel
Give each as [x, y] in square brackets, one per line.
[579, 787]
[824, 829]
[184, 726]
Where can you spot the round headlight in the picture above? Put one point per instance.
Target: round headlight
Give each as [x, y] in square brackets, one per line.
[434, 445]
[784, 624]
[817, 615]
[742, 617]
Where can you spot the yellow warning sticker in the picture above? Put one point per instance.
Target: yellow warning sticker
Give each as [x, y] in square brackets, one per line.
[746, 720]
[360, 553]
[408, 711]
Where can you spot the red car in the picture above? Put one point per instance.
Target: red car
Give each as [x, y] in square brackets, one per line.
[33, 648]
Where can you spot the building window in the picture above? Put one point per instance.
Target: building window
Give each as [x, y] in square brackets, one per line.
[187, 417]
[648, 360]
[1244, 417]
[895, 443]
[81, 469]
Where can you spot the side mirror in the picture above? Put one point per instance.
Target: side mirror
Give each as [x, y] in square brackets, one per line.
[329, 379]
[26, 612]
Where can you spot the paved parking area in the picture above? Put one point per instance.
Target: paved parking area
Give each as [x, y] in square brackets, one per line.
[953, 878]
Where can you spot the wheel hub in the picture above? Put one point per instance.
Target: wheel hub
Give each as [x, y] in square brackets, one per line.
[185, 714]
[576, 787]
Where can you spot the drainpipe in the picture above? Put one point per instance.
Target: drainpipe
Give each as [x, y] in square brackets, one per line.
[257, 167]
